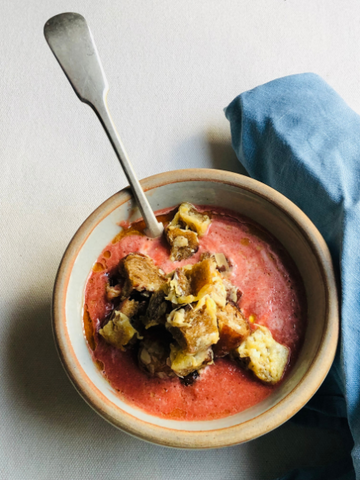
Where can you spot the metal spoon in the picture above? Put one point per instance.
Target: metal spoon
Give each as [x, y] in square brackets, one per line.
[72, 43]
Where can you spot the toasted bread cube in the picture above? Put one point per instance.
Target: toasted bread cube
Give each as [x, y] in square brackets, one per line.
[183, 363]
[233, 329]
[128, 307]
[201, 274]
[182, 232]
[195, 329]
[140, 273]
[184, 243]
[153, 358]
[187, 216]
[180, 283]
[267, 358]
[156, 310]
[201, 279]
[118, 331]
[215, 290]
[206, 280]
[179, 289]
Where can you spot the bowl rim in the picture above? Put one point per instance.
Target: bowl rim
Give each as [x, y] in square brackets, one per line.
[227, 436]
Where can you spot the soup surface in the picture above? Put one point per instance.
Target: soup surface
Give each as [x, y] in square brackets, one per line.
[272, 296]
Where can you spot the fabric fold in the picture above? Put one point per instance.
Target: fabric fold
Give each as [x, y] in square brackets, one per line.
[297, 135]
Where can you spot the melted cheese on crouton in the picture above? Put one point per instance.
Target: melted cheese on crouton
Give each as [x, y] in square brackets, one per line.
[179, 289]
[267, 358]
[196, 328]
[177, 319]
[216, 290]
[119, 331]
[184, 243]
[188, 215]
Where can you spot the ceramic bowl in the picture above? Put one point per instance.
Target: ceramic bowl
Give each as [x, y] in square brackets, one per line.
[245, 196]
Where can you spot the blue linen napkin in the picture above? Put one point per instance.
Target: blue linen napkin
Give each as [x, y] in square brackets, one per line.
[297, 135]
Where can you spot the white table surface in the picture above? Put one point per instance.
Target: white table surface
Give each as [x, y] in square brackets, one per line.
[172, 67]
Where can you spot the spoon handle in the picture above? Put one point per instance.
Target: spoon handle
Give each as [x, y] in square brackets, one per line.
[72, 43]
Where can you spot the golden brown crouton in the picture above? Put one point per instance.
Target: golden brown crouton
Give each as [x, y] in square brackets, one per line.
[200, 274]
[128, 307]
[156, 310]
[153, 357]
[183, 243]
[183, 231]
[188, 217]
[183, 363]
[118, 331]
[195, 329]
[267, 358]
[206, 280]
[233, 329]
[181, 281]
[140, 273]
[193, 282]
[179, 288]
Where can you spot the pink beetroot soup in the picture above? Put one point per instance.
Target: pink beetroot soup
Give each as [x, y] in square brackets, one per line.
[272, 295]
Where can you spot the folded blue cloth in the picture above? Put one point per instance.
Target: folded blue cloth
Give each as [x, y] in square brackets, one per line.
[297, 135]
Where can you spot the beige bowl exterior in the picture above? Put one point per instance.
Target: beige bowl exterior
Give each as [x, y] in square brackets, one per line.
[246, 196]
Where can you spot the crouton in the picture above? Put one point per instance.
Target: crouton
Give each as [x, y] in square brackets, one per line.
[233, 294]
[267, 358]
[156, 310]
[233, 329]
[195, 329]
[183, 231]
[118, 331]
[215, 290]
[140, 273]
[206, 280]
[183, 363]
[153, 358]
[189, 218]
[181, 283]
[200, 274]
[128, 307]
[183, 243]
[193, 282]
[179, 289]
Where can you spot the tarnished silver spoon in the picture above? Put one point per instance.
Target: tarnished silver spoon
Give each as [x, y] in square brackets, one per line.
[72, 43]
